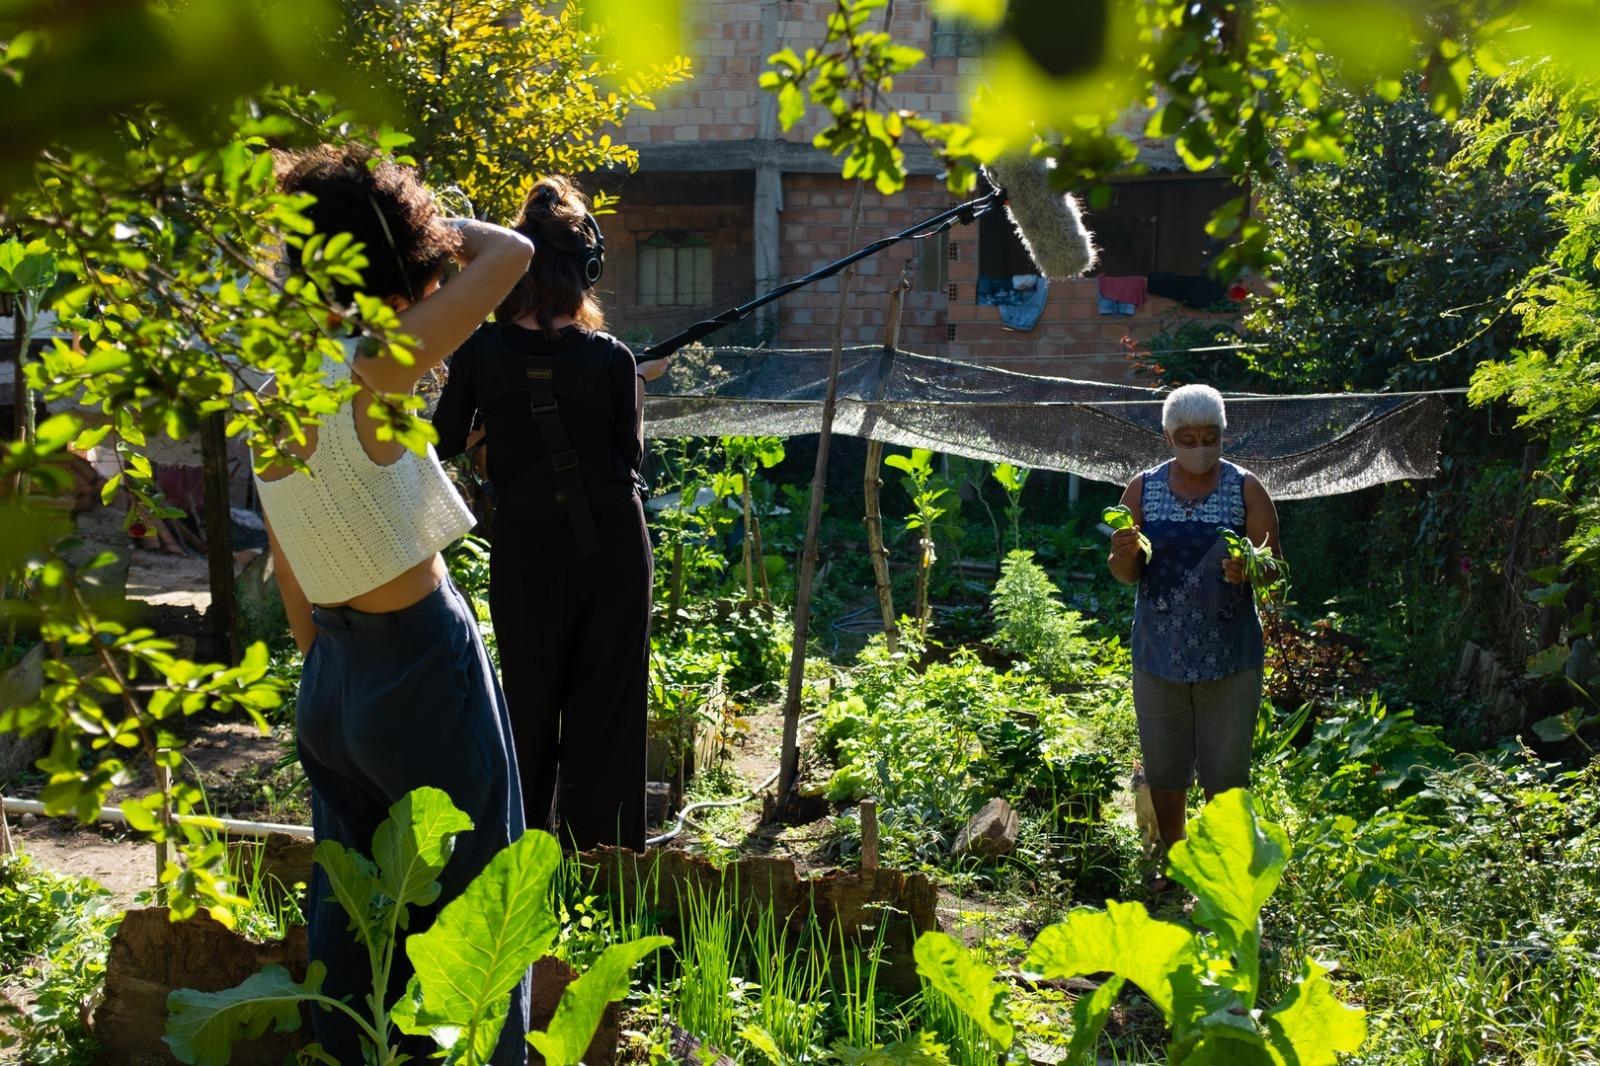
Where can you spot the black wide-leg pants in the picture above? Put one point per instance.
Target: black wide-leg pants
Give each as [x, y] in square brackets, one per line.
[574, 642]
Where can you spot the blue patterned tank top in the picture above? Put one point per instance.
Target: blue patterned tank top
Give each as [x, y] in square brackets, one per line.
[1189, 623]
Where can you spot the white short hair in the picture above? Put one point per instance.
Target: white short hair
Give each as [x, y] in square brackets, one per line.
[1193, 405]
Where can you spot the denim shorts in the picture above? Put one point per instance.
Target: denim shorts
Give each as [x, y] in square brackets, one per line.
[1201, 727]
[389, 703]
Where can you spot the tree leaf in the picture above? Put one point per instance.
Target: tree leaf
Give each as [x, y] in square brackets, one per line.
[1311, 1026]
[202, 1026]
[967, 983]
[584, 1000]
[1123, 939]
[484, 939]
[413, 844]
[1556, 728]
[1232, 863]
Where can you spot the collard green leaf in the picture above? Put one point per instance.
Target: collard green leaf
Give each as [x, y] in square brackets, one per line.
[354, 881]
[967, 983]
[202, 1026]
[413, 844]
[1232, 862]
[1311, 1027]
[1123, 939]
[1088, 1019]
[578, 1014]
[1222, 1039]
[484, 939]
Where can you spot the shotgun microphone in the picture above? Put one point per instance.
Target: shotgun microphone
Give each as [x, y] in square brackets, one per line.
[1048, 222]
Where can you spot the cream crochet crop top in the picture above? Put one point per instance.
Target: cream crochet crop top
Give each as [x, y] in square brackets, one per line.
[353, 524]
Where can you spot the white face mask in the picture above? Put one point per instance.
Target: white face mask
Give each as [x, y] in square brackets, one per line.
[1198, 460]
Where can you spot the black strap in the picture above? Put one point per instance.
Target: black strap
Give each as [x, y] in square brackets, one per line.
[563, 460]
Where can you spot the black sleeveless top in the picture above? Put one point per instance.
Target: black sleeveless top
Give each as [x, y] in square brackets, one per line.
[593, 382]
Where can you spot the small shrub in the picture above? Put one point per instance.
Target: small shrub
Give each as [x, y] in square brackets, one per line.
[1032, 622]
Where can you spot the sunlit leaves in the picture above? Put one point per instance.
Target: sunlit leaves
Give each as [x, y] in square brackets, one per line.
[202, 1026]
[970, 986]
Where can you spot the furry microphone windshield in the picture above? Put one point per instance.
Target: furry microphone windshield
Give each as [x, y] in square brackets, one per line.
[1048, 222]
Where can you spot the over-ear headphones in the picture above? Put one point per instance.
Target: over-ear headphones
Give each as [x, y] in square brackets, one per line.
[594, 255]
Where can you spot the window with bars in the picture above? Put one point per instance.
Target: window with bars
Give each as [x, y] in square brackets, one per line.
[952, 37]
[674, 269]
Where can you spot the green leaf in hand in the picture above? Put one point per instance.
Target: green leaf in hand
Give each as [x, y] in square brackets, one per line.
[1121, 517]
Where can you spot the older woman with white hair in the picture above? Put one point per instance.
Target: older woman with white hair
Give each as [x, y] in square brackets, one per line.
[1197, 645]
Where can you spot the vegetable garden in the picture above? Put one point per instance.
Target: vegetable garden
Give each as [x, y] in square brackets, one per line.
[896, 811]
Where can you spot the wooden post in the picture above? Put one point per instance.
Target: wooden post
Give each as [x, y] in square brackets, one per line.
[789, 764]
[749, 532]
[222, 620]
[872, 487]
[6, 847]
[164, 784]
[869, 834]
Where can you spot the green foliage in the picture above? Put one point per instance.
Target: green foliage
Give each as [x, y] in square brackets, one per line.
[926, 489]
[1012, 479]
[1206, 987]
[1031, 622]
[481, 944]
[933, 746]
[584, 1000]
[950, 970]
[466, 74]
[202, 1026]
[55, 934]
[466, 964]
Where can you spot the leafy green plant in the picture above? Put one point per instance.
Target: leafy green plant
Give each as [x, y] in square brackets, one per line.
[1264, 570]
[465, 964]
[925, 491]
[55, 934]
[1032, 622]
[1206, 985]
[745, 456]
[1012, 478]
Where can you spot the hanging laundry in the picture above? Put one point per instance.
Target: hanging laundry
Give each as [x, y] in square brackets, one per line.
[1024, 315]
[1126, 292]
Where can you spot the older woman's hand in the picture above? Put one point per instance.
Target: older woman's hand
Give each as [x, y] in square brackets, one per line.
[1233, 570]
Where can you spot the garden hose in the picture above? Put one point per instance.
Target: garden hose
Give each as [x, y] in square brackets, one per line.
[706, 805]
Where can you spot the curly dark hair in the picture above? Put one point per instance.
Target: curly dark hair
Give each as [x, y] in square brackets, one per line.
[383, 207]
[553, 218]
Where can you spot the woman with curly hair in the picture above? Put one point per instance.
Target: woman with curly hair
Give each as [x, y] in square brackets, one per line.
[571, 569]
[397, 691]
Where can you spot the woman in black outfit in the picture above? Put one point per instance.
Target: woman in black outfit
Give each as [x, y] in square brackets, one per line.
[571, 569]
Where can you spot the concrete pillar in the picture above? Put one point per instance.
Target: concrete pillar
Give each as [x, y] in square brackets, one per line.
[768, 207]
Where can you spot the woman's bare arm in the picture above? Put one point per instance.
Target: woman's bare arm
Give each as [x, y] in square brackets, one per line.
[295, 604]
[495, 258]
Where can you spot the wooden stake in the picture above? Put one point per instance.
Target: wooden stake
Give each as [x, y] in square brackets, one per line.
[789, 764]
[869, 834]
[872, 487]
[222, 620]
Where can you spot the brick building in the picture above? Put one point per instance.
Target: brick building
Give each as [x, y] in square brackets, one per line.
[726, 205]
